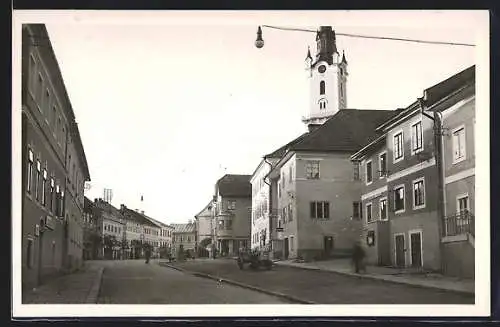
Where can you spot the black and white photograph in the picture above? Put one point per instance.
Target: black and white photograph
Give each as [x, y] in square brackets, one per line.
[250, 163]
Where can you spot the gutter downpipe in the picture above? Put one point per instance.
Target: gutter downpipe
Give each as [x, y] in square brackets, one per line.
[270, 211]
[438, 135]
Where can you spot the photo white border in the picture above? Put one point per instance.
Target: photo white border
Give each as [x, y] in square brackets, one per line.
[480, 19]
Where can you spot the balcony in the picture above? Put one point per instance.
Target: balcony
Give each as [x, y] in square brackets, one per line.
[459, 224]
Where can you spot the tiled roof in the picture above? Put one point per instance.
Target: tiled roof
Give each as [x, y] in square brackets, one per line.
[136, 216]
[281, 151]
[235, 186]
[348, 130]
[449, 85]
[184, 228]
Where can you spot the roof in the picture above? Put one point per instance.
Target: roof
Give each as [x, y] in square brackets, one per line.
[137, 217]
[347, 131]
[184, 228]
[235, 186]
[41, 37]
[435, 93]
[206, 208]
[282, 150]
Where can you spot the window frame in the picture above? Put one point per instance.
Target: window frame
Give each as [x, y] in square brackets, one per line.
[29, 185]
[413, 183]
[382, 173]
[357, 207]
[370, 162]
[394, 135]
[460, 197]
[369, 214]
[356, 170]
[415, 137]
[386, 218]
[311, 164]
[395, 188]
[322, 87]
[456, 159]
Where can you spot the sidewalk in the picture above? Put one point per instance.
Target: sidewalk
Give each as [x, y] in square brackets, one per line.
[76, 288]
[343, 266]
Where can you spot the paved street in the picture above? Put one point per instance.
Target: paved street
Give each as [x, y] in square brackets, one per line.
[325, 287]
[134, 282]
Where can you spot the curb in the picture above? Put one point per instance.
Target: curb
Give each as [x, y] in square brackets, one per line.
[96, 287]
[401, 282]
[232, 282]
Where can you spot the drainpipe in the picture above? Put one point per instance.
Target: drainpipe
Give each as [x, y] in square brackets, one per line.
[271, 215]
[438, 134]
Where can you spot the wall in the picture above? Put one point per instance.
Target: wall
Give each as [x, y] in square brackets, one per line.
[335, 185]
[459, 259]
[260, 205]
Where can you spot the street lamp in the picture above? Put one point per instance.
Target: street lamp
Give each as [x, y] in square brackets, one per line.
[259, 43]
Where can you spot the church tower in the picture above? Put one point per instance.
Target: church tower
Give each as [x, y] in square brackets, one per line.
[327, 74]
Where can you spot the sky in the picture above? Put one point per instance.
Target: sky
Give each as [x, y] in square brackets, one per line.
[166, 102]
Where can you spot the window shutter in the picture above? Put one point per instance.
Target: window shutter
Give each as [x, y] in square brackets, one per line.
[326, 210]
[461, 142]
[313, 209]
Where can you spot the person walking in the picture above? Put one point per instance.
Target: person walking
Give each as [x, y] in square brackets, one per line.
[358, 255]
[148, 254]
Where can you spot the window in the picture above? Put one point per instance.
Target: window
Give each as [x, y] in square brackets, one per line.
[37, 180]
[418, 194]
[369, 217]
[356, 210]
[54, 115]
[39, 89]
[462, 203]
[62, 205]
[189, 239]
[56, 130]
[459, 144]
[356, 170]
[32, 69]
[369, 176]
[320, 210]
[322, 87]
[44, 185]
[312, 169]
[46, 101]
[51, 205]
[291, 243]
[399, 199]
[383, 209]
[398, 146]
[382, 163]
[290, 212]
[30, 171]
[231, 205]
[416, 137]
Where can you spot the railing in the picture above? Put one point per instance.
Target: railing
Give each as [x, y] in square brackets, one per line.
[460, 223]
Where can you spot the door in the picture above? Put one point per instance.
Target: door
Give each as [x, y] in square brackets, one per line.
[416, 249]
[328, 245]
[285, 248]
[462, 217]
[399, 245]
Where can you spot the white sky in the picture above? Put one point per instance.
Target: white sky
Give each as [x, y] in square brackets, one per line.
[165, 101]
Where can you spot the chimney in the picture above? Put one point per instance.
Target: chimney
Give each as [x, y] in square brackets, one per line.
[313, 127]
[190, 221]
[142, 212]
[122, 207]
[95, 200]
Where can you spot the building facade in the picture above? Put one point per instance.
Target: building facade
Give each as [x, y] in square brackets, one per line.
[184, 237]
[204, 228]
[402, 182]
[113, 226]
[92, 233]
[52, 210]
[233, 197]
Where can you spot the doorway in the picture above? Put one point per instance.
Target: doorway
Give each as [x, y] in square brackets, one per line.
[327, 245]
[285, 248]
[416, 249]
[399, 246]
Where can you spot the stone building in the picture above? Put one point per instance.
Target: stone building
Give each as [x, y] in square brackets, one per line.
[54, 165]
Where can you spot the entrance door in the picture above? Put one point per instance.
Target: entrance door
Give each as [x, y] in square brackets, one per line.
[416, 249]
[328, 245]
[285, 248]
[399, 243]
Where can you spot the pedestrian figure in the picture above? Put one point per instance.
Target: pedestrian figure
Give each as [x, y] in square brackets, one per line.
[358, 255]
[148, 254]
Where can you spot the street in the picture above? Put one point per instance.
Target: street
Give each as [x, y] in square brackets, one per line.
[134, 282]
[325, 287]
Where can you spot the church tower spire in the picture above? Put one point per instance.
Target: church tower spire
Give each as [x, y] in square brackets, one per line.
[327, 78]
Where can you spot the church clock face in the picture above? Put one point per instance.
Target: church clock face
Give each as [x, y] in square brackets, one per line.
[322, 69]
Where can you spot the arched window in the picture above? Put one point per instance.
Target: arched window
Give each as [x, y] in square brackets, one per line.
[322, 87]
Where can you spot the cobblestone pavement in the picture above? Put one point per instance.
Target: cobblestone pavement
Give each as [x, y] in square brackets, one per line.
[67, 289]
[134, 282]
[325, 287]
